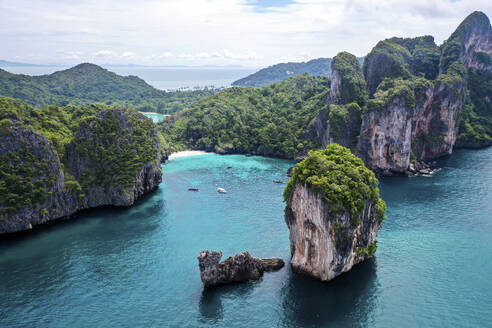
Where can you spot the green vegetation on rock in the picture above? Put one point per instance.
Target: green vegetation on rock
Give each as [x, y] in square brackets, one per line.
[475, 19]
[23, 178]
[341, 178]
[402, 58]
[345, 121]
[389, 89]
[475, 119]
[425, 55]
[114, 147]
[353, 85]
[386, 60]
[369, 250]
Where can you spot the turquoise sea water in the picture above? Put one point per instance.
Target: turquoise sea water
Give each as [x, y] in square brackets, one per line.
[156, 117]
[137, 267]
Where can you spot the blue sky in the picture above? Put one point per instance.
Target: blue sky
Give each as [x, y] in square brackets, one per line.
[217, 32]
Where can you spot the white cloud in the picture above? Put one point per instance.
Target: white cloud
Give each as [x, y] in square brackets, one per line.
[104, 53]
[128, 54]
[216, 31]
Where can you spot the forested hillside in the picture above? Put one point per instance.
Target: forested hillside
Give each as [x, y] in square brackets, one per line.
[88, 83]
[272, 121]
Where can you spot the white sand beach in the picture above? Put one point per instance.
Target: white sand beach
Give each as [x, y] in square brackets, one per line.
[186, 153]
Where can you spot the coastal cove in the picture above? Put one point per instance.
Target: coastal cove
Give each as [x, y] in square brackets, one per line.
[155, 117]
[138, 266]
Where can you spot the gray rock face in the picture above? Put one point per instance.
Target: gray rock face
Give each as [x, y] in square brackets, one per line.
[428, 130]
[476, 39]
[242, 267]
[324, 245]
[336, 86]
[54, 196]
[385, 141]
[401, 132]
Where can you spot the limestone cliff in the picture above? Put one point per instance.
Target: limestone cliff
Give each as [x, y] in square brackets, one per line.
[112, 159]
[333, 214]
[410, 121]
[416, 119]
[472, 44]
[340, 122]
[420, 102]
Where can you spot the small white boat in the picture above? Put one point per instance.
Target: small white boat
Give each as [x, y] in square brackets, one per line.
[221, 190]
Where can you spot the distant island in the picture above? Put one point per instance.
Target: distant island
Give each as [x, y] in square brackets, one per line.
[88, 83]
[280, 72]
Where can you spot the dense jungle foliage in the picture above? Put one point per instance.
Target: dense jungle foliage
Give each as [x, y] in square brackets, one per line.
[270, 121]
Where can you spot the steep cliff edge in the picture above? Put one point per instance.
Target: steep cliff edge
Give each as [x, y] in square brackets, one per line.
[410, 120]
[414, 115]
[471, 43]
[341, 121]
[56, 161]
[116, 156]
[333, 212]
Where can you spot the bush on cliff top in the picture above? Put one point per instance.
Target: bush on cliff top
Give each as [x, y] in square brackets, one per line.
[345, 183]
[391, 88]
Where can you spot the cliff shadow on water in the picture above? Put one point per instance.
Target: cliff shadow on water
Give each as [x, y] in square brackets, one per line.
[148, 205]
[211, 307]
[307, 302]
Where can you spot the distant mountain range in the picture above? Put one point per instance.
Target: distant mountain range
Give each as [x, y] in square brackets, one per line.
[5, 63]
[88, 83]
[282, 71]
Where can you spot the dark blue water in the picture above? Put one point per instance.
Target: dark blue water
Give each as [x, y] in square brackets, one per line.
[137, 267]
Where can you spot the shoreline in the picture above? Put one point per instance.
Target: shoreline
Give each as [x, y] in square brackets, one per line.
[154, 113]
[188, 153]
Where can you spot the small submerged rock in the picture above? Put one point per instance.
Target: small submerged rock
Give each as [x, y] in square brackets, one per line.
[239, 268]
[422, 168]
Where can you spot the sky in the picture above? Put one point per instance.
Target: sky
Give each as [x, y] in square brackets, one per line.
[251, 33]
